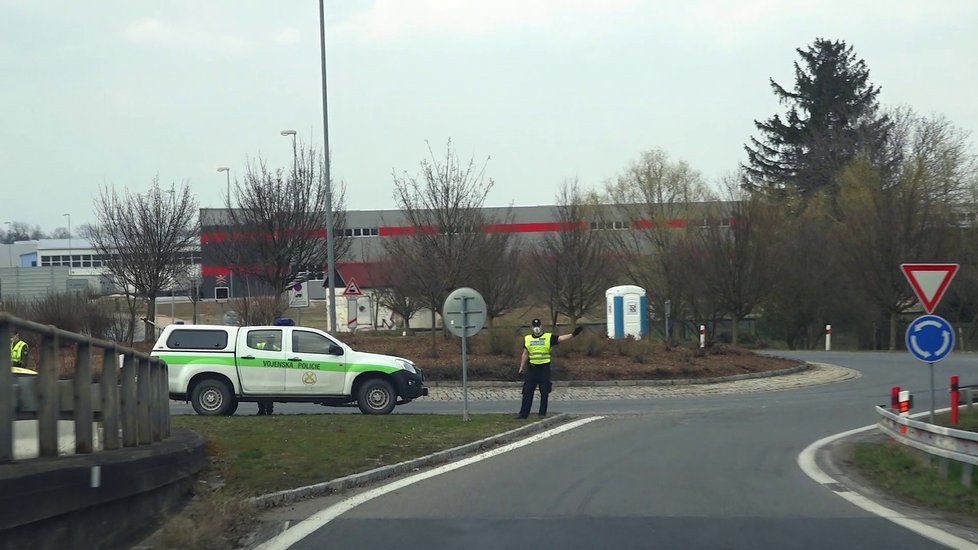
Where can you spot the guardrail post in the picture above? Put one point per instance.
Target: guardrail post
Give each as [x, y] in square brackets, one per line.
[7, 400]
[47, 395]
[83, 398]
[966, 474]
[942, 466]
[144, 407]
[109, 386]
[165, 396]
[130, 428]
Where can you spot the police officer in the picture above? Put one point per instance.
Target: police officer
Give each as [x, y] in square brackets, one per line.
[18, 351]
[535, 365]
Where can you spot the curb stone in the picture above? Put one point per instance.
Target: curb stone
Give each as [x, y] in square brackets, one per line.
[600, 383]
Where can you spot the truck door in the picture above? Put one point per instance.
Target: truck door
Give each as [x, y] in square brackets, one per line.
[317, 364]
[261, 360]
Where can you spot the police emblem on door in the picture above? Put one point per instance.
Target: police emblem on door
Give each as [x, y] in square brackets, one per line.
[308, 378]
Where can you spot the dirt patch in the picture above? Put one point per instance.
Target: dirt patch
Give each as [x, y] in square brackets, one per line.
[587, 357]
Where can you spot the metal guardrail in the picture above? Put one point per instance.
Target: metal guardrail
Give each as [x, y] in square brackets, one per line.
[939, 441]
[135, 399]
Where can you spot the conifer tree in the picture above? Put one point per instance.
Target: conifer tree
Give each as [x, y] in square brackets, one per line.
[831, 119]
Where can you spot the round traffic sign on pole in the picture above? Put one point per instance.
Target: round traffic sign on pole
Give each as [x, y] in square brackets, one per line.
[464, 312]
[464, 315]
[930, 338]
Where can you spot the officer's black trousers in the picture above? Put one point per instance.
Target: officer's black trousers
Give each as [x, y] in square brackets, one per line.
[536, 376]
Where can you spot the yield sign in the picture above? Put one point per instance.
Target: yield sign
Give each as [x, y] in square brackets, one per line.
[929, 281]
[352, 289]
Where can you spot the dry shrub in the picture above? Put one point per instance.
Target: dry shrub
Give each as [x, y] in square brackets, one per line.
[259, 310]
[212, 521]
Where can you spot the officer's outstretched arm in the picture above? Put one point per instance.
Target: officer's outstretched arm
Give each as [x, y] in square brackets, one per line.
[565, 337]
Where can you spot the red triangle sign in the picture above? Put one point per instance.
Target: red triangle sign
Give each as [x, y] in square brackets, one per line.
[352, 289]
[929, 281]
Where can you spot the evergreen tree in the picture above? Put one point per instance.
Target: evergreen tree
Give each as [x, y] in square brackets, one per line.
[831, 119]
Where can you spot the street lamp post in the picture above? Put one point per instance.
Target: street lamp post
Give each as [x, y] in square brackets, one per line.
[173, 280]
[71, 258]
[331, 259]
[10, 246]
[295, 167]
[227, 172]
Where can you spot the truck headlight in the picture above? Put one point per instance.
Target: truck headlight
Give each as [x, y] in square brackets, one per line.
[406, 365]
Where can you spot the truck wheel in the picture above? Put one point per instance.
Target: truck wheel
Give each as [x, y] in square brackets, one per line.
[376, 396]
[213, 398]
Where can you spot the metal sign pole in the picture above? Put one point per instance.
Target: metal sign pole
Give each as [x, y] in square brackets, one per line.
[464, 320]
[465, 362]
[933, 399]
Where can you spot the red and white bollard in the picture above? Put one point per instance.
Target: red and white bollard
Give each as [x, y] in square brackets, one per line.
[954, 400]
[904, 408]
[702, 336]
[828, 337]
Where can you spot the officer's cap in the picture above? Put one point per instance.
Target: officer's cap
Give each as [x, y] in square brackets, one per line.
[536, 323]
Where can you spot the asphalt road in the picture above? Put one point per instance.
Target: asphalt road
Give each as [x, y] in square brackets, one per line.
[691, 472]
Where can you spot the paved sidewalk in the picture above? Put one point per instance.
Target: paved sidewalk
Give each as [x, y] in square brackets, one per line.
[818, 373]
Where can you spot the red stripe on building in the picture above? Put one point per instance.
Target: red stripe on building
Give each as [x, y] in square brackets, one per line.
[533, 227]
[401, 230]
[221, 236]
[649, 224]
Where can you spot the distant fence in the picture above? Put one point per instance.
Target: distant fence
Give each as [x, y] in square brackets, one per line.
[132, 405]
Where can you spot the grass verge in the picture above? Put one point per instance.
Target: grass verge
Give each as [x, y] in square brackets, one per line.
[909, 474]
[263, 454]
[255, 455]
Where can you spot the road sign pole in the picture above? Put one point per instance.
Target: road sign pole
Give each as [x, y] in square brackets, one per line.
[464, 319]
[933, 397]
[465, 362]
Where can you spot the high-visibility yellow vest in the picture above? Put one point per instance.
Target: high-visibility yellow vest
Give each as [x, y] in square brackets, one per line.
[538, 348]
[17, 350]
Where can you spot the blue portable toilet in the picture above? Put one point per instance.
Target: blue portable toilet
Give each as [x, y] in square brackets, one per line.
[627, 306]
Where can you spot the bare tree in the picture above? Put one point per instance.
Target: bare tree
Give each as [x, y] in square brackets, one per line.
[910, 217]
[141, 238]
[571, 264]
[734, 253]
[499, 276]
[396, 285]
[442, 206]
[276, 220]
[656, 199]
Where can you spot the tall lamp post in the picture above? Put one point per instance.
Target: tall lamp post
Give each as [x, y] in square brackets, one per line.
[71, 259]
[227, 172]
[10, 246]
[295, 167]
[331, 259]
[173, 281]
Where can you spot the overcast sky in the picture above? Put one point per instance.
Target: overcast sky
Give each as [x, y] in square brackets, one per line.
[116, 92]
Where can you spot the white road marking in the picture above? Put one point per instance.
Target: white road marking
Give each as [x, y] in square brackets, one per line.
[806, 460]
[309, 525]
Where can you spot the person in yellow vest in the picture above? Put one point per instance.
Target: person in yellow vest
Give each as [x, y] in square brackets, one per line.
[535, 365]
[18, 351]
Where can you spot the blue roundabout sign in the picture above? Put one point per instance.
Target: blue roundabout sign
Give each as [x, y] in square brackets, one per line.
[930, 338]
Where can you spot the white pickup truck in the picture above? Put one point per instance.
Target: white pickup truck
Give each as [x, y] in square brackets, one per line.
[217, 367]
